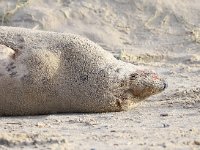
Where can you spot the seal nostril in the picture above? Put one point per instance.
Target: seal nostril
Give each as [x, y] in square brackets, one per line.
[165, 85]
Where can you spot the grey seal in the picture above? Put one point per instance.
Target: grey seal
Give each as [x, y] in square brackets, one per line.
[45, 72]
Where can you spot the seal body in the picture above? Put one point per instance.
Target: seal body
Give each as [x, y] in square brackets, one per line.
[48, 72]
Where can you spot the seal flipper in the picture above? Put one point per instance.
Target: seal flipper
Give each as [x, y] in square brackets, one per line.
[42, 65]
[7, 65]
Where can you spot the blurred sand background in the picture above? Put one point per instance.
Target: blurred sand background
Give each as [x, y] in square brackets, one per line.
[162, 35]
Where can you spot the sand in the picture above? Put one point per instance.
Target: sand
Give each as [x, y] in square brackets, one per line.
[160, 35]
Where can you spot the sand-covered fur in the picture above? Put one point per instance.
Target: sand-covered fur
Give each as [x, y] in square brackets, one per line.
[52, 72]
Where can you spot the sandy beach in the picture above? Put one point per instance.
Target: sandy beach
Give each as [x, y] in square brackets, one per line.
[160, 35]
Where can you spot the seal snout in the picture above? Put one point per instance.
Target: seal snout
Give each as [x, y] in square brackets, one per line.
[145, 83]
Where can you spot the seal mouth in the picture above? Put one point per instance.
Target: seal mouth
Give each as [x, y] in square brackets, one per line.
[141, 94]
